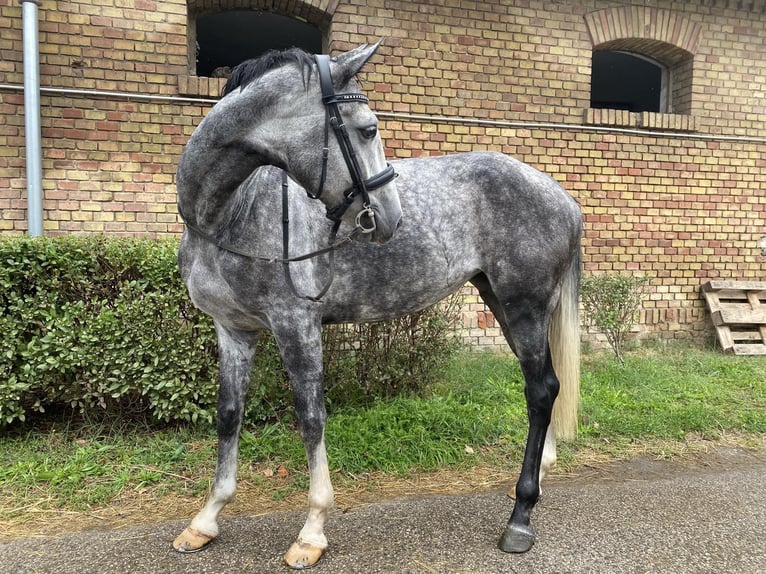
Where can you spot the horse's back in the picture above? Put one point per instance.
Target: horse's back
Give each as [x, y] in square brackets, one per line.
[494, 200]
[488, 180]
[520, 227]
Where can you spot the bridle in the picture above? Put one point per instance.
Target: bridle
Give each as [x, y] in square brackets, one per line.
[364, 222]
[361, 186]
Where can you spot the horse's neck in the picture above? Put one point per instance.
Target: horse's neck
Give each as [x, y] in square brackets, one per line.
[252, 220]
[213, 165]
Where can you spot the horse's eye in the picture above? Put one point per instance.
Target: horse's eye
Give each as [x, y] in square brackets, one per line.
[369, 132]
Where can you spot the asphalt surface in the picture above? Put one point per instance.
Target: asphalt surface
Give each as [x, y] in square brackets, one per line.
[640, 517]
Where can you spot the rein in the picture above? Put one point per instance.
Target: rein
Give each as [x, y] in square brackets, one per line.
[332, 246]
[364, 222]
[286, 259]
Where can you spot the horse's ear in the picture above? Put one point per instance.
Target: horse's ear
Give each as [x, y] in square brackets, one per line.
[348, 64]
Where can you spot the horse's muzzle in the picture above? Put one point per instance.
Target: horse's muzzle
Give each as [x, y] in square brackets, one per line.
[385, 226]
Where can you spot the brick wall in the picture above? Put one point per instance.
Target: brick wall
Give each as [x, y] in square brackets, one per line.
[108, 160]
[679, 196]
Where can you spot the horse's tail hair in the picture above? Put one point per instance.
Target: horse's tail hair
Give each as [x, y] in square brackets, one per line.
[564, 341]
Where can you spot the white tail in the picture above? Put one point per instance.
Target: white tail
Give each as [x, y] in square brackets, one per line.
[564, 341]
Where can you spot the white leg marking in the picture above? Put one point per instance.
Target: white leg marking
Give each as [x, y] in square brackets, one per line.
[321, 500]
[549, 453]
[312, 542]
[204, 526]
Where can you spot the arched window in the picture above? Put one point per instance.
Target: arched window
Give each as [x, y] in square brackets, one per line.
[224, 39]
[223, 33]
[643, 64]
[627, 81]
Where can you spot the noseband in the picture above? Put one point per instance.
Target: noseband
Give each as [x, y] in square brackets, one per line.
[365, 219]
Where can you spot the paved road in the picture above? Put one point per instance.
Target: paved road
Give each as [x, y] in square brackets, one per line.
[641, 517]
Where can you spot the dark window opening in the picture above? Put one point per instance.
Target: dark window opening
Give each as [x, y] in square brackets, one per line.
[623, 81]
[224, 39]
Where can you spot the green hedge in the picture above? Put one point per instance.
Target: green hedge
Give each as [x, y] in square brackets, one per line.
[104, 325]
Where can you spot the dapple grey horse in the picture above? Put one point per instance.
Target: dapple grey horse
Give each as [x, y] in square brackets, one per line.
[482, 217]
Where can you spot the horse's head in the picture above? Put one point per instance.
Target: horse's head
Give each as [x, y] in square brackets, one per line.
[313, 123]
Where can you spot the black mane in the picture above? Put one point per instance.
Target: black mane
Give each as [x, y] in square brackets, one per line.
[250, 70]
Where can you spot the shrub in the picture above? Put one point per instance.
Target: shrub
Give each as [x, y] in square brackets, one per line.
[104, 325]
[100, 323]
[611, 302]
[364, 362]
[384, 359]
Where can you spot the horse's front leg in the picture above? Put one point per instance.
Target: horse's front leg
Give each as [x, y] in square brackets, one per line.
[236, 350]
[301, 347]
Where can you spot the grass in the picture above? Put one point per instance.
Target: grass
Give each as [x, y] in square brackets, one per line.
[82, 467]
[475, 417]
[672, 392]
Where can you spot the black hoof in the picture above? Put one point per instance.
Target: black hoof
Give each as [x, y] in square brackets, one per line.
[517, 539]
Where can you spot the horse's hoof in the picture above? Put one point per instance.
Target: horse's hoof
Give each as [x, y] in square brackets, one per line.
[517, 539]
[191, 540]
[303, 555]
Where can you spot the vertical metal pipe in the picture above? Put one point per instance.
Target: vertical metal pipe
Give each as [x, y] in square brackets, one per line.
[32, 117]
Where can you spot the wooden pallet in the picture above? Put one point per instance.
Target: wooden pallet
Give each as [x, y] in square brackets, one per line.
[738, 310]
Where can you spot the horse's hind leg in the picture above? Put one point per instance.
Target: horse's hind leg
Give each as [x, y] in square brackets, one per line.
[525, 325]
[541, 388]
[481, 282]
[300, 343]
[236, 351]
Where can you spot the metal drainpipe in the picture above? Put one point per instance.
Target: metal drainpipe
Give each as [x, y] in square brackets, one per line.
[32, 117]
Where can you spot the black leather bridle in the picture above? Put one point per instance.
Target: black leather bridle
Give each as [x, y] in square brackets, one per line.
[365, 219]
[364, 222]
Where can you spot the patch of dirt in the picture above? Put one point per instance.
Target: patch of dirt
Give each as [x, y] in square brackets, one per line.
[37, 520]
[147, 507]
